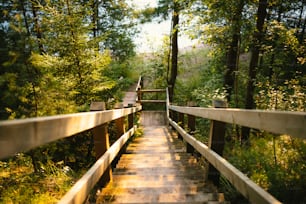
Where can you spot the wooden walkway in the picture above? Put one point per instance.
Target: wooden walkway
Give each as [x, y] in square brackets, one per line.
[156, 169]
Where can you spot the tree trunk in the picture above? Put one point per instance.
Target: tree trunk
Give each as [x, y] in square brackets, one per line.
[257, 40]
[174, 51]
[233, 51]
[95, 19]
[37, 29]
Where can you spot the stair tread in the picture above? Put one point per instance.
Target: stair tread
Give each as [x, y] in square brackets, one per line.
[159, 171]
[165, 197]
[184, 189]
[156, 169]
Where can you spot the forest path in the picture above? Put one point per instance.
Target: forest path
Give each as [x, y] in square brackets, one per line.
[156, 169]
[130, 96]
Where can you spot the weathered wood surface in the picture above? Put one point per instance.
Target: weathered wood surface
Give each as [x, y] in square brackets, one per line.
[279, 122]
[243, 184]
[153, 118]
[79, 192]
[151, 101]
[21, 135]
[152, 90]
[157, 169]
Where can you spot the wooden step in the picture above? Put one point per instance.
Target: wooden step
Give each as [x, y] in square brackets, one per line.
[157, 169]
[187, 159]
[188, 189]
[157, 197]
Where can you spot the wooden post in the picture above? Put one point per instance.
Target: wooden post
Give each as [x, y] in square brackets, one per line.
[101, 141]
[216, 141]
[120, 125]
[130, 118]
[181, 119]
[175, 118]
[191, 129]
[139, 95]
[180, 122]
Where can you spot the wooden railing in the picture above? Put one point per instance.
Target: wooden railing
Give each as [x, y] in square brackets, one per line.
[141, 91]
[22, 135]
[280, 122]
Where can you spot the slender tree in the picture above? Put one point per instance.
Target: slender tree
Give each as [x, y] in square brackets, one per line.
[258, 37]
[174, 49]
[232, 55]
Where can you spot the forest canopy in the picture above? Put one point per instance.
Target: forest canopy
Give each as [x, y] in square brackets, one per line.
[57, 56]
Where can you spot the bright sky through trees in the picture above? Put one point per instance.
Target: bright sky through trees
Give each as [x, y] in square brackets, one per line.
[151, 34]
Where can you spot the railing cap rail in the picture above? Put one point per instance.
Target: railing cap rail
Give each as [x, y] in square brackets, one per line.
[23, 134]
[279, 122]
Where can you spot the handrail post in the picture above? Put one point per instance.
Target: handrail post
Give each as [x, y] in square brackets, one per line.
[180, 122]
[181, 118]
[138, 89]
[101, 141]
[191, 124]
[216, 141]
[130, 118]
[191, 130]
[175, 118]
[120, 126]
[139, 94]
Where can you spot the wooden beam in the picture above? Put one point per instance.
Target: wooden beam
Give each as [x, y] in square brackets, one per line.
[249, 189]
[101, 141]
[79, 192]
[191, 130]
[279, 122]
[139, 84]
[151, 101]
[216, 142]
[152, 90]
[24, 134]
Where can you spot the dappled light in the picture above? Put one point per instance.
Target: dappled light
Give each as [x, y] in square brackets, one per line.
[152, 101]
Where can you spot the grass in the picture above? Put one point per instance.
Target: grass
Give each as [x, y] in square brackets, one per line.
[20, 184]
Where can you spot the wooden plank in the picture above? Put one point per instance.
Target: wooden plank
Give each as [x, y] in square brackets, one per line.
[22, 135]
[216, 141]
[152, 90]
[162, 176]
[279, 122]
[139, 84]
[167, 103]
[101, 141]
[151, 101]
[78, 193]
[243, 184]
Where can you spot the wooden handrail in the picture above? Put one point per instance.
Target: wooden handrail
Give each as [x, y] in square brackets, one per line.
[24, 134]
[139, 84]
[243, 184]
[152, 90]
[279, 122]
[152, 101]
[79, 192]
[140, 91]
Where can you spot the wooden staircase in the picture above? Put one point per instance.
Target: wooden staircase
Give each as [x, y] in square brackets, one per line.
[156, 169]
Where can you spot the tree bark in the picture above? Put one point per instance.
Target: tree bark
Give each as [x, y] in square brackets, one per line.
[233, 51]
[37, 29]
[174, 51]
[253, 67]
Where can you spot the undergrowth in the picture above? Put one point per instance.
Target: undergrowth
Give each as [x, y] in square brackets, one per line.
[277, 164]
[20, 184]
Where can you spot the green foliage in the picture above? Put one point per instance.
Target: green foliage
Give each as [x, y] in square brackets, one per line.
[289, 96]
[277, 164]
[56, 59]
[20, 184]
